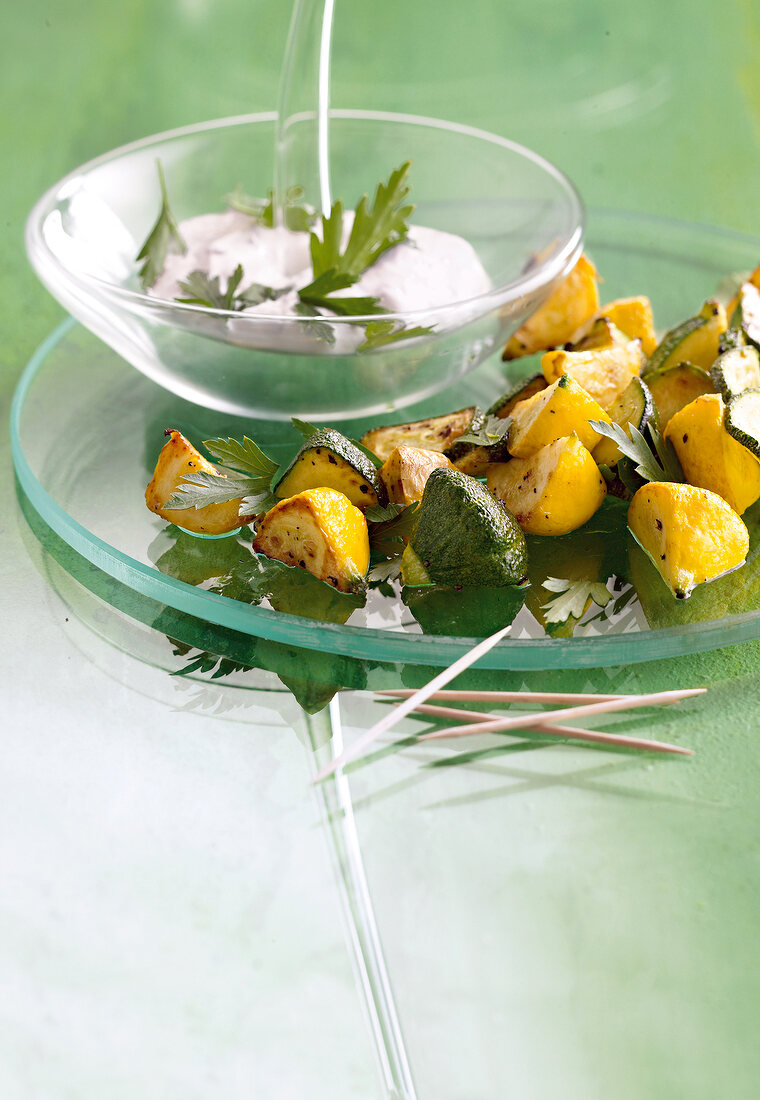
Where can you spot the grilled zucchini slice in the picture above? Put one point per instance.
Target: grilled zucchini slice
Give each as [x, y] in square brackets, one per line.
[742, 419]
[435, 434]
[633, 406]
[329, 460]
[693, 341]
[602, 333]
[673, 388]
[736, 370]
[691, 534]
[503, 405]
[747, 313]
[319, 530]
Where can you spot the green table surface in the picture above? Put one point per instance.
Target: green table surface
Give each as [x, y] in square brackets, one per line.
[555, 923]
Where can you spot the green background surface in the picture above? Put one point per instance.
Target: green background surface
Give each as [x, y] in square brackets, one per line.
[556, 923]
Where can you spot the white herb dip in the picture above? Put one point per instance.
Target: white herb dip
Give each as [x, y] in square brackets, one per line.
[429, 270]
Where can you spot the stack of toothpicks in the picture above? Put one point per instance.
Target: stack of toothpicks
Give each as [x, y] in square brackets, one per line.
[547, 723]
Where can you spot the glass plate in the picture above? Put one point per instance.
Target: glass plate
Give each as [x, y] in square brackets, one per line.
[86, 429]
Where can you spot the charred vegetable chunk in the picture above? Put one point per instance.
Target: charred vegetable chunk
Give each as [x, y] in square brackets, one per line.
[691, 534]
[736, 370]
[464, 536]
[434, 434]
[742, 420]
[693, 341]
[603, 373]
[574, 301]
[633, 316]
[178, 459]
[406, 470]
[673, 388]
[319, 530]
[329, 460]
[710, 457]
[561, 409]
[553, 491]
[503, 405]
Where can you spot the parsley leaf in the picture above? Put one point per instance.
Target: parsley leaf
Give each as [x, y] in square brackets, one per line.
[202, 290]
[378, 334]
[492, 431]
[163, 238]
[375, 229]
[317, 327]
[297, 216]
[572, 597]
[246, 472]
[659, 465]
[389, 527]
[306, 429]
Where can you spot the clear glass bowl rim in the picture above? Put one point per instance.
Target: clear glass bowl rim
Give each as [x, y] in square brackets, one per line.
[546, 271]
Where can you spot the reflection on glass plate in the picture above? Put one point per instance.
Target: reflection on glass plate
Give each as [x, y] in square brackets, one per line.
[87, 429]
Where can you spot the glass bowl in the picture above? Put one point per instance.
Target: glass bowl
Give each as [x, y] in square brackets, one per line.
[521, 215]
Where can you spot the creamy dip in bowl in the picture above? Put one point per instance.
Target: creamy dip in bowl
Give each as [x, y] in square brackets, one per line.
[494, 229]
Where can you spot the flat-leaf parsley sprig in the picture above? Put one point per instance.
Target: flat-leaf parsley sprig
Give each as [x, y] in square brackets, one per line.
[660, 464]
[245, 471]
[163, 238]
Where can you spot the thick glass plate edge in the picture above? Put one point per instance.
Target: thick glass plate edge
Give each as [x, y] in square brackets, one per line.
[378, 645]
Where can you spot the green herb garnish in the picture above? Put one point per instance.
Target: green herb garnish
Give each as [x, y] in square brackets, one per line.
[660, 464]
[377, 334]
[296, 215]
[246, 472]
[492, 431]
[163, 238]
[572, 597]
[202, 290]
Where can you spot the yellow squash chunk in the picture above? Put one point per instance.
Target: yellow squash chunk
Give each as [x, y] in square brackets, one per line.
[406, 470]
[178, 458]
[710, 457]
[692, 535]
[553, 491]
[321, 531]
[561, 409]
[602, 372]
[434, 434]
[598, 333]
[574, 301]
[633, 316]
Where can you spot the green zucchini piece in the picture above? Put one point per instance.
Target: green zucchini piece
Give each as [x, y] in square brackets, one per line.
[434, 434]
[732, 338]
[747, 313]
[675, 387]
[693, 341]
[463, 612]
[503, 405]
[329, 460]
[742, 419]
[633, 406]
[736, 370]
[466, 537]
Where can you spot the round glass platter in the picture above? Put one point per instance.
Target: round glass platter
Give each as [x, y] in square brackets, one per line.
[86, 429]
